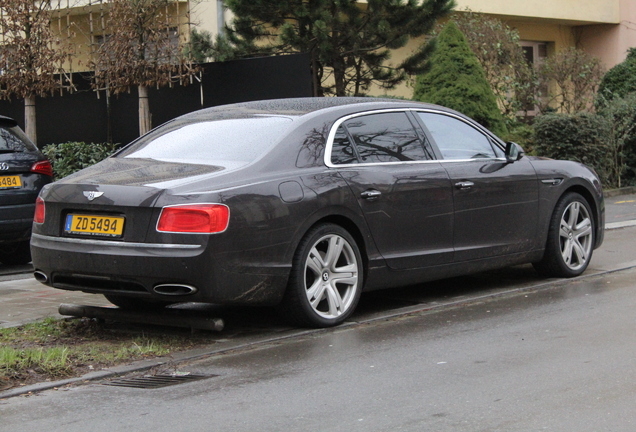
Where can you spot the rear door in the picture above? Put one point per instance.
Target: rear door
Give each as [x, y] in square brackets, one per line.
[495, 202]
[405, 195]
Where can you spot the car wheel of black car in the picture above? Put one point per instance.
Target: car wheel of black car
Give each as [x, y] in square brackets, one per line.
[133, 303]
[570, 238]
[16, 253]
[326, 278]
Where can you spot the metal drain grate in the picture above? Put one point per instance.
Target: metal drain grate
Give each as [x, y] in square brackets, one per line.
[156, 381]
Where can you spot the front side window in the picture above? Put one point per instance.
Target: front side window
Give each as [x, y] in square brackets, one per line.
[457, 139]
[385, 137]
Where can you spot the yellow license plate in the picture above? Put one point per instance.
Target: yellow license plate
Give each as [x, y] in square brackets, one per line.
[109, 226]
[8, 182]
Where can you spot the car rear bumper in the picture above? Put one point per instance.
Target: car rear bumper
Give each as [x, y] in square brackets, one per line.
[16, 222]
[169, 272]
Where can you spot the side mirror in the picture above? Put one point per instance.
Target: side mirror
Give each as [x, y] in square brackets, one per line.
[514, 152]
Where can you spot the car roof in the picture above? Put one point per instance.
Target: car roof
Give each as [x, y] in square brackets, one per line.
[294, 107]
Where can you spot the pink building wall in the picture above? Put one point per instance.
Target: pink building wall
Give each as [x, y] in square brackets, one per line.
[610, 42]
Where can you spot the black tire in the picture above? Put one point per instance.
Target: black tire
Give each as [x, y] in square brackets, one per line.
[324, 289]
[16, 253]
[571, 238]
[134, 303]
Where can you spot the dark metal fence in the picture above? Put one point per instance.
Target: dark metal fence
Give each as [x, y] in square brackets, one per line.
[82, 116]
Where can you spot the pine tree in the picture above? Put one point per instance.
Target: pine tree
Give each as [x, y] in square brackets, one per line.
[349, 42]
[456, 80]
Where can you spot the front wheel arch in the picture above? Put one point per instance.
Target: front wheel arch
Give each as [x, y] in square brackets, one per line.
[571, 237]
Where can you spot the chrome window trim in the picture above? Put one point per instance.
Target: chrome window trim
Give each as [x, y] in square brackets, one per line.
[337, 123]
[120, 244]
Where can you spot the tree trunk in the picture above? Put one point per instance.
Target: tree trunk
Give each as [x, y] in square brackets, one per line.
[29, 118]
[144, 110]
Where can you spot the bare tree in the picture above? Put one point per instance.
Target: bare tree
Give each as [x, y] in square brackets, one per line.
[499, 52]
[30, 54]
[571, 78]
[141, 50]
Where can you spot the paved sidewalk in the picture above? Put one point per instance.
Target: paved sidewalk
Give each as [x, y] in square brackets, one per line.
[26, 300]
[23, 299]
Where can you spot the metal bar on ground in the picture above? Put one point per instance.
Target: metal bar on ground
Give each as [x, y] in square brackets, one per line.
[162, 319]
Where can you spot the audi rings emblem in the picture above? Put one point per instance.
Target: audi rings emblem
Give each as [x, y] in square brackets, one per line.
[4, 166]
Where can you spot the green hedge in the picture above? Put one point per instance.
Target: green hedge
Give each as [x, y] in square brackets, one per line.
[70, 157]
[579, 137]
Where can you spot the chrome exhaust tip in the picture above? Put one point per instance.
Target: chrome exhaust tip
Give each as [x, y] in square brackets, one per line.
[40, 276]
[174, 289]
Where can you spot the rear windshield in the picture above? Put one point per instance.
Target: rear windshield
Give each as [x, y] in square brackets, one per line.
[13, 140]
[210, 142]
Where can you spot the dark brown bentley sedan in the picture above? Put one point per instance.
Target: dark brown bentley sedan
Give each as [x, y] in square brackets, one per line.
[305, 203]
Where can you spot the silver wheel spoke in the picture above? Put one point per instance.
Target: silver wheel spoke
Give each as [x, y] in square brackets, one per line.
[334, 251]
[316, 259]
[583, 229]
[579, 251]
[334, 300]
[315, 292]
[567, 251]
[574, 214]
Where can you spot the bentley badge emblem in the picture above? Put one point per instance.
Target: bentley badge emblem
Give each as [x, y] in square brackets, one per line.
[91, 195]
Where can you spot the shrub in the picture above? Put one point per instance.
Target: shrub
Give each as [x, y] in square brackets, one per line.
[620, 80]
[456, 80]
[620, 113]
[580, 137]
[70, 157]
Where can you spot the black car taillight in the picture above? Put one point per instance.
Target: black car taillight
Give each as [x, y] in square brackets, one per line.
[42, 167]
[39, 215]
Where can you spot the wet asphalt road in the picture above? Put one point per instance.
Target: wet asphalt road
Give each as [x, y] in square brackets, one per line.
[561, 358]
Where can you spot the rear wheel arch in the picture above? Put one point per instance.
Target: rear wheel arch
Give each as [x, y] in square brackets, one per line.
[326, 278]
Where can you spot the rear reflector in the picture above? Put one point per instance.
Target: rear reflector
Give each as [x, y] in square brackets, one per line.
[42, 167]
[194, 218]
[39, 215]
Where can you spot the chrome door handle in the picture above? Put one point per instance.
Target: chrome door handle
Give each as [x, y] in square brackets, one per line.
[464, 185]
[371, 194]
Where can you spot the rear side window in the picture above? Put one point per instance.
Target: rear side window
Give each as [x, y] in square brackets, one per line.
[342, 151]
[13, 140]
[211, 142]
[385, 137]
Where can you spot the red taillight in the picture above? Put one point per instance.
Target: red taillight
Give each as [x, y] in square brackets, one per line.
[194, 218]
[42, 167]
[39, 215]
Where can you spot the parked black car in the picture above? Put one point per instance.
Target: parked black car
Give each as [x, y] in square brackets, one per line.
[304, 203]
[23, 172]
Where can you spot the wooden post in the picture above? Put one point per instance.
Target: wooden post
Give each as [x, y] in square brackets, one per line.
[144, 110]
[29, 118]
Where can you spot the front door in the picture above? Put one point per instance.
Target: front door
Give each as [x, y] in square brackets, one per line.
[495, 202]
